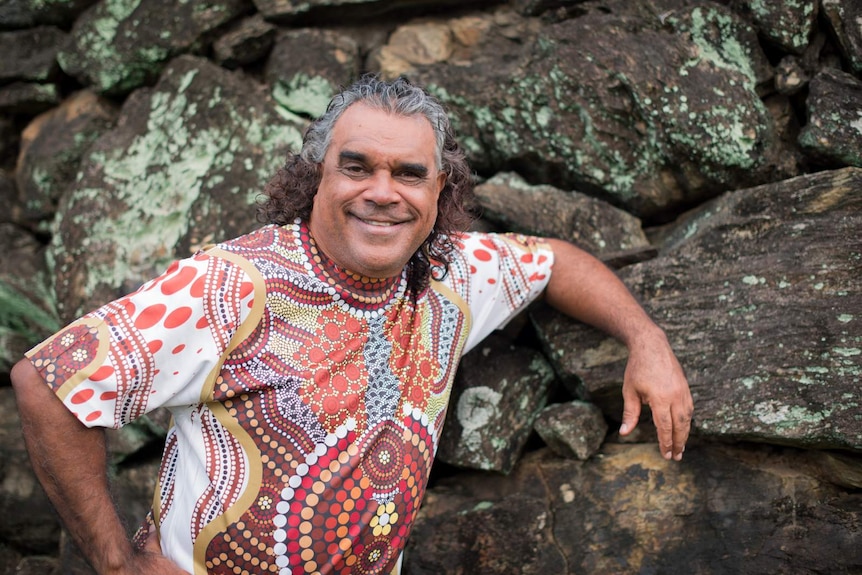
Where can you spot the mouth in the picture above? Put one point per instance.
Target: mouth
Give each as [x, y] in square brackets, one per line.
[379, 222]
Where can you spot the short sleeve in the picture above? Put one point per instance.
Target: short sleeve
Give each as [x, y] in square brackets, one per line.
[499, 275]
[154, 347]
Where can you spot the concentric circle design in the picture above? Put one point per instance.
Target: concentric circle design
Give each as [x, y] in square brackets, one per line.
[383, 457]
[375, 557]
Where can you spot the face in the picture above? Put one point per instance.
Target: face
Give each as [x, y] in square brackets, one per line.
[377, 200]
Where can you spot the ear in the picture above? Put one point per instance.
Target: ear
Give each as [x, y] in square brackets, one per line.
[441, 181]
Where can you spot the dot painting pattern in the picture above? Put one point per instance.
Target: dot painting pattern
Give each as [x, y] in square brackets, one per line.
[331, 404]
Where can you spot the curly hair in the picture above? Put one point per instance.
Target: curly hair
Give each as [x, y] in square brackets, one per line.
[290, 193]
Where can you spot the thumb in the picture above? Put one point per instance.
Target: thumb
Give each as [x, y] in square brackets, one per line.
[631, 411]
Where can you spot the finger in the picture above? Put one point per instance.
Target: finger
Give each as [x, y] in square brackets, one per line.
[681, 430]
[661, 416]
[631, 411]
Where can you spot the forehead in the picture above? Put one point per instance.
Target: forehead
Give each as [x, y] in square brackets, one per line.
[363, 127]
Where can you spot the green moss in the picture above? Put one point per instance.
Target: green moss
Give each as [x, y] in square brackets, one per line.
[98, 41]
[304, 94]
[728, 52]
[162, 173]
[775, 15]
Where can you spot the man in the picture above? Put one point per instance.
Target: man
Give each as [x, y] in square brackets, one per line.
[308, 364]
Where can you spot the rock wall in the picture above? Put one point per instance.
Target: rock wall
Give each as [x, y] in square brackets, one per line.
[709, 151]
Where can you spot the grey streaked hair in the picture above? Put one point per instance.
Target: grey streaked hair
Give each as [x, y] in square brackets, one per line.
[396, 97]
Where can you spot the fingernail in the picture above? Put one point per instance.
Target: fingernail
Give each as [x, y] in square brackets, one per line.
[678, 456]
[624, 428]
[668, 455]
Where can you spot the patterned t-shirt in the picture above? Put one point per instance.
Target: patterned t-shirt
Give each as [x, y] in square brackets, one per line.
[307, 404]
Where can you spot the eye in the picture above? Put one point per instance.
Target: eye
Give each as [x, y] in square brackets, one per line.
[354, 169]
[410, 176]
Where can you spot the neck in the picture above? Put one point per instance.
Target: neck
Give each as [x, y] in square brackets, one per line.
[355, 289]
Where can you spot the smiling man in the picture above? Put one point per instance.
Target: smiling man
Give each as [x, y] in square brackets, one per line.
[377, 199]
[308, 364]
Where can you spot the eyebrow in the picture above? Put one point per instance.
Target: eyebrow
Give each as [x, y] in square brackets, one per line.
[349, 155]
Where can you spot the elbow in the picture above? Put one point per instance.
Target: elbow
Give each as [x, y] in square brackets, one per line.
[19, 373]
[27, 383]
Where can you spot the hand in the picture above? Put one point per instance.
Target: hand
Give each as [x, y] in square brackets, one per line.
[150, 561]
[654, 377]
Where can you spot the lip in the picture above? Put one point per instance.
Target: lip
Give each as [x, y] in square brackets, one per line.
[380, 223]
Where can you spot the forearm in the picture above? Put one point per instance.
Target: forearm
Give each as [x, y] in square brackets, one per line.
[584, 288]
[70, 460]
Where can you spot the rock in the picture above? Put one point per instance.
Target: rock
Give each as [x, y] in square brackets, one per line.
[36, 565]
[844, 19]
[630, 114]
[248, 41]
[8, 197]
[30, 55]
[419, 43]
[10, 134]
[842, 469]
[304, 85]
[327, 12]
[592, 224]
[29, 524]
[834, 107]
[51, 149]
[117, 47]
[537, 7]
[170, 177]
[658, 108]
[28, 98]
[790, 76]
[498, 393]
[28, 14]
[27, 314]
[723, 510]
[787, 24]
[760, 297]
[575, 429]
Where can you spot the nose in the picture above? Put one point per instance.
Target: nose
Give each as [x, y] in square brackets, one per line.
[382, 189]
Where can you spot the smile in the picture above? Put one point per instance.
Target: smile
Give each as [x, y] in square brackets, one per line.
[379, 223]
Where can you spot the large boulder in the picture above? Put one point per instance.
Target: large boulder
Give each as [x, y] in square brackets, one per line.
[118, 46]
[308, 66]
[183, 168]
[498, 393]
[788, 25]
[51, 150]
[594, 225]
[28, 14]
[725, 510]
[760, 296]
[627, 101]
[30, 55]
[844, 19]
[833, 134]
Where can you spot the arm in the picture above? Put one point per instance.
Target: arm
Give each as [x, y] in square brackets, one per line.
[583, 288]
[70, 461]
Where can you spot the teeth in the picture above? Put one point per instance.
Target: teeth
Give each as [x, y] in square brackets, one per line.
[379, 224]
